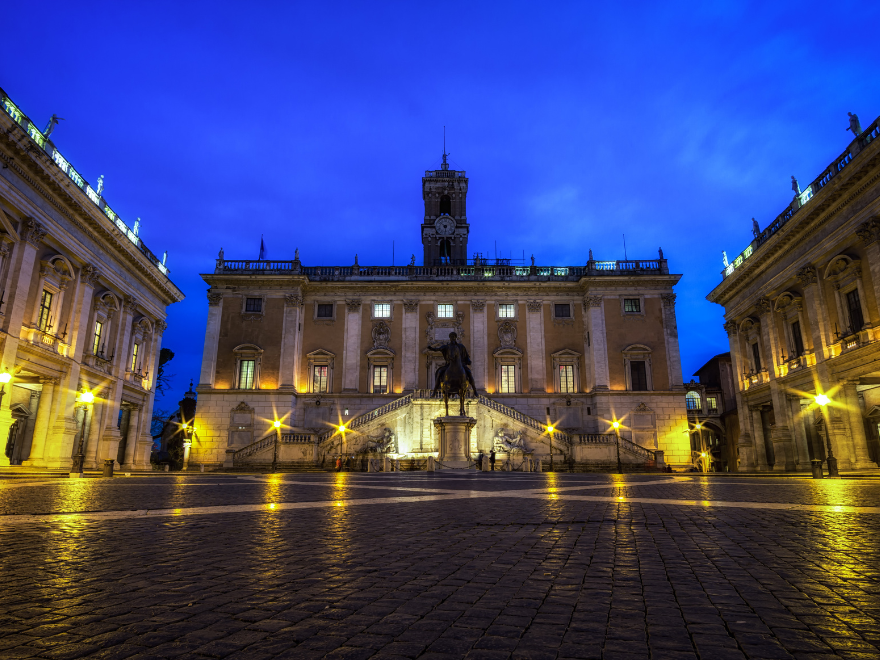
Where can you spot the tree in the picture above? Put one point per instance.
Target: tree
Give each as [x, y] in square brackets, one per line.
[163, 380]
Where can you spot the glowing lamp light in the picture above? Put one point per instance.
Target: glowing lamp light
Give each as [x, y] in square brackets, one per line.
[342, 428]
[822, 400]
[703, 454]
[616, 425]
[5, 377]
[87, 397]
[549, 429]
[699, 427]
[277, 424]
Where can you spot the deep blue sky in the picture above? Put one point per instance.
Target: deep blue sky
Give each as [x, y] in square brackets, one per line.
[312, 123]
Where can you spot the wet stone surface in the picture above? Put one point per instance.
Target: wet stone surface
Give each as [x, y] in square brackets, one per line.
[492, 566]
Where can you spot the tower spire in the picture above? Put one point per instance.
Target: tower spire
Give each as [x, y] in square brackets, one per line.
[445, 165]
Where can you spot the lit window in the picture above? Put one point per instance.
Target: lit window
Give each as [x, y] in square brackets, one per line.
[638, 375]
[325, 310]
[508, 379]
[45, 311]
[566, 378]
[692, 400]
[99, 329]
[756, 355]
[134, 357]
[253, 305]
[319, 382]
[506, 311]
[246, 369]
[562, 311]
[382, 310]
[797, 339]
[632, 305]
[380, 379]
[712, 402]
[444, 311]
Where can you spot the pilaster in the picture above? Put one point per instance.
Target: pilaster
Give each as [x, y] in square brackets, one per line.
[351, 354]
[410, 367]
[212, 337]
[293, 303]
[861, 457]
[670, 328]
[479, 342]
[595, 312]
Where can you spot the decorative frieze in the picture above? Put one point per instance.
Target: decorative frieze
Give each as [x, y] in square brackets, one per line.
[478, 305]
[507, 334]
[592, 301]
[763, 305]
[534, 305]
[90, 275]
[34, 232]
[807, 275]
[353, 305]
[293, 300]
[381, 335]
[410, 306]
[130, 303]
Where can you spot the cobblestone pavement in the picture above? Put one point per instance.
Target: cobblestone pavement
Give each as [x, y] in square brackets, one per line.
[454, 565]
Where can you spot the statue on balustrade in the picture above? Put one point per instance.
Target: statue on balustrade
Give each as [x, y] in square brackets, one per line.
[795, 186]
[454, 376]
[756, 228]
[854, 124]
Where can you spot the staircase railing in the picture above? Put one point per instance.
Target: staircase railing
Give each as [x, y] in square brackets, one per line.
[523, 419]
[625, 444]
[370, 416]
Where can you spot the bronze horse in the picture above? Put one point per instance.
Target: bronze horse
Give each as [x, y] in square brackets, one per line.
[454, 376]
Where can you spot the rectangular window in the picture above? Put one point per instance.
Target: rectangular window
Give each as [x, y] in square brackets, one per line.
[632, 305]
[797, 339]
[508, 378]
[325, 310]
[756, 354]
[444, 311]
[134, 357]
[562, 311]
[253, 305]
[854, 305]
[320, 378]
[99, 329]
[506, 311]
[382, 310]
[712, 402]
[638, 375]
[380, 380]
[45, 311]
[566, 378]
[246, 370]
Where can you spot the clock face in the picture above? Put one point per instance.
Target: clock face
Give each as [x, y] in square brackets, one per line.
[445, 226]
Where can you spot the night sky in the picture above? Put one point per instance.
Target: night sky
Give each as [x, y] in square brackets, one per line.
[312, 124]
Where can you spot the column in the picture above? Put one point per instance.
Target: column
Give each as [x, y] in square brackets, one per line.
[410, 368]
[861, 458]
[673, 356]
[819, 329]
[535, 345]
[212, 337]
[132, 436]
[44, 419]
[21, 269]
[479, 346]
[745, 444]
[120, 363]
[868, 233]
[598, 342]
[142, 457]
[351, 353]
[98, 409]
[292, 306]
[758, 430]
[801, 443]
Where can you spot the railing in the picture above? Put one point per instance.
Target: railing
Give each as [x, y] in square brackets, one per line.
[445, 272]
[254, 447]
[46, 145]
[862, 141]
[370, 416]
[522, 419]
[611, 439]
[444, 174]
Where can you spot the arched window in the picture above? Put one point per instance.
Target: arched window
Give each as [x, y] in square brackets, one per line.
[445, 249]
[692, 400]
[445, 205]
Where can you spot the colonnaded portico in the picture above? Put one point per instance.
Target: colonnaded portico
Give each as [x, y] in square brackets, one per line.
[572, 348]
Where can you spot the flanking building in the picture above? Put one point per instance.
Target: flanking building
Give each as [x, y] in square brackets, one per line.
[802, 309]
[82, 311]
[574, 348]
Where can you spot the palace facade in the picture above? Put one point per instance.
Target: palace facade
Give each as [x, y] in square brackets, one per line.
[574, 348]
[82, 311]
[802, 310]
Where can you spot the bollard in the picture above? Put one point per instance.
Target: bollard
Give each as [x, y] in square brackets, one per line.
[538, 466]
[397, 465]
[430, 463]
[527, 465]
[485, 466]
[817, 469]
[369, 465]
[386, 464]
[202, 467]
[167, 468]
[108, 467]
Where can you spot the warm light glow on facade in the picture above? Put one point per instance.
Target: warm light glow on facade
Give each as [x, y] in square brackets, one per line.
[822, 400]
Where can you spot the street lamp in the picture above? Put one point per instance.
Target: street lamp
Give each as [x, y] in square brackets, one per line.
[86, 399]
[277, 425]
[550, 431]
[5, 377]
[616, 426]
[823, 401]
[702, 448]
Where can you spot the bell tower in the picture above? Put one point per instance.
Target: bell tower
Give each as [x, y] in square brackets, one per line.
[445, 227]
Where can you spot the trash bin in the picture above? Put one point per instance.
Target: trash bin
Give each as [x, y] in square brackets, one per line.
[817, 469]
[108, 467]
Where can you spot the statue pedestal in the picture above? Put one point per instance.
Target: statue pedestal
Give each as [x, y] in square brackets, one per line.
[455, 440]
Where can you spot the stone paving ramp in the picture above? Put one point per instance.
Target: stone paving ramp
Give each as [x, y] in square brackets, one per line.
[474, 565]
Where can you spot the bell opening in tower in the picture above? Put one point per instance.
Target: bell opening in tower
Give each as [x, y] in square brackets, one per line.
[445, 250]
[445, 205]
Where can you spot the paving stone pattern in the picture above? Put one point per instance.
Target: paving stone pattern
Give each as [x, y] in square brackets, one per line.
[501, 577]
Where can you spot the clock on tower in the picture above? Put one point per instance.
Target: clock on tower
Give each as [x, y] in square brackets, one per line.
[445, 227]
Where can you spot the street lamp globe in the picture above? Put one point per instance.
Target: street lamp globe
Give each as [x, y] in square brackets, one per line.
[342, 428]
[616, 425]
[277, 424]
[822, 400]
[87, 397]
[5, 377]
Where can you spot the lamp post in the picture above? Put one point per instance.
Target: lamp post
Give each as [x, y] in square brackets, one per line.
[277, 425]
[86, 399]
[703, 460]
[5, 377]
[550, 433]
[823, 401]
[616, 426]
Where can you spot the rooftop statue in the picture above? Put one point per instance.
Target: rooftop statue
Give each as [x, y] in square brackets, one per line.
[454, 376]
[53, 122]
[795, 186]
[854, 124]
[100, 184]
[412, 261]
[533, 260]
[220, 255]
[660, 250]
[724, 258]
[137, 226]
[591, 257]
[756, 228]
[296, 254]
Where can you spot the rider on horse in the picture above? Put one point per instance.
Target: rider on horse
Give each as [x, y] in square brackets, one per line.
[448, 351]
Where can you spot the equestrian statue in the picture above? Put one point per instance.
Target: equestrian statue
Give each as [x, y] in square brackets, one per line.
[454, 376]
